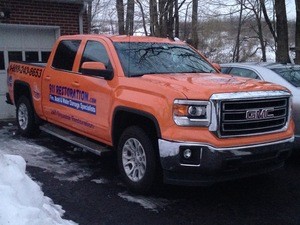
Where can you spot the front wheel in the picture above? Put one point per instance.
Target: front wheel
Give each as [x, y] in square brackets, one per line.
[25, 118]
[136, 159]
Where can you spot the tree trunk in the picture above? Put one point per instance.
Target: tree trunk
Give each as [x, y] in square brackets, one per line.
[129, 17]
[261, 36]
[143, 17]
[282, 52]
[297, 38]
[195, 38]
[153, 18]
[185, 27]
[162, 19]
[120, 13]
[236, 52]
[267, 19]
[170, 20]
[176, 19]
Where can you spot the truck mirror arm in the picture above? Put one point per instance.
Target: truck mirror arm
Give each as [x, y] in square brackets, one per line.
[97, 69]
[106, 74]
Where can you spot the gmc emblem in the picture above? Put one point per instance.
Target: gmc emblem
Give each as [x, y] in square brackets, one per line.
[257, 114]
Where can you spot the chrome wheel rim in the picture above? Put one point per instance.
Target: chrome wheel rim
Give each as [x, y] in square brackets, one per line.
[23, 116]
[134, 159]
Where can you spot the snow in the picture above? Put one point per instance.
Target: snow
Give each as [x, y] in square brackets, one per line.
[42, 157]
[22, 200]
[100, 181]
[153, 204]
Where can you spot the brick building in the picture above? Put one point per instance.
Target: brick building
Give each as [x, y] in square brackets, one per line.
[28, 29]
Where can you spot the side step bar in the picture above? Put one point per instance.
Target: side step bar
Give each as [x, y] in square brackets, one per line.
[76, 139]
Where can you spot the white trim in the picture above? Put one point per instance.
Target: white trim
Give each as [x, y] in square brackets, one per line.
[25, 26]
[28, 26]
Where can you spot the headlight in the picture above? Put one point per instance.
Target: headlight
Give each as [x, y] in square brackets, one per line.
[191, 113]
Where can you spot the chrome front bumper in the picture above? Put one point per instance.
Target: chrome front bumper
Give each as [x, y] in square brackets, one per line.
[209, 164]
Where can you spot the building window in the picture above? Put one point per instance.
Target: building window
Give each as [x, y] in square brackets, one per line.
[2, 65]
[45, 56]
[65, 54]
[31, 56]
[15, 56]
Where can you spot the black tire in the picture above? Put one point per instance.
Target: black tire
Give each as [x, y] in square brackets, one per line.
[25, 118]
[144, 169]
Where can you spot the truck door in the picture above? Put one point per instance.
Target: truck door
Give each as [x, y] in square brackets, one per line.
[97, 109]
[74, 100]
[58, 85]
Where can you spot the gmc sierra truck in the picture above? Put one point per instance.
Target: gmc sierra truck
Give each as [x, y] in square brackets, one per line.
[159, 104]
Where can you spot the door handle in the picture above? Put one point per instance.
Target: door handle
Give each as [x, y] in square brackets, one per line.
[48, 78]
[75, 84]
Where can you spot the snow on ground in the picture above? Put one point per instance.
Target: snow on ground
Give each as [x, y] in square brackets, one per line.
[22, 200]
[62, 168]
[41, 157]
[100, 181]
[154, 204]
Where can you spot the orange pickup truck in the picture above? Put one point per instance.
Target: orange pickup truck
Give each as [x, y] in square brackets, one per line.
[159, 104]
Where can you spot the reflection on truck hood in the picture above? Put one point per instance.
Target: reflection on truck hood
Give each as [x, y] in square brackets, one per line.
[203, 85]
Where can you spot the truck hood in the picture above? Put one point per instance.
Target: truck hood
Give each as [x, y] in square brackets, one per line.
[203, 85]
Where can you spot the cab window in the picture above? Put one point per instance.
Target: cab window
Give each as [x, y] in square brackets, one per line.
[244, 73]
[95, 52]
[65, 54]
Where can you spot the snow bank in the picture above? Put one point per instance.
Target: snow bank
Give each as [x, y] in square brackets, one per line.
[22, 201]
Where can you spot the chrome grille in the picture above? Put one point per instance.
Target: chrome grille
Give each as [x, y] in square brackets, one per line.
[250, 117]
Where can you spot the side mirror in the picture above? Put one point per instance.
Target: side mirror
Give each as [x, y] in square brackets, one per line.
[96, 69]
[217, 66]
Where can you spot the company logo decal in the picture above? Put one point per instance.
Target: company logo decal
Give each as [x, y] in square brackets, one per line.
[36, 93]
[260, 114]
[73, 98]
[10, 81]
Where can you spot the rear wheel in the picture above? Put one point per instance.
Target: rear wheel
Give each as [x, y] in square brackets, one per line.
[136, 159]
[25, 118]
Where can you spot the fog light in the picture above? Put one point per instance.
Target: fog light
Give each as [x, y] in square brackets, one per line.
[187, 153]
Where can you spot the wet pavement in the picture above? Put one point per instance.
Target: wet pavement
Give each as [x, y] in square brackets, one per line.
[89, 189]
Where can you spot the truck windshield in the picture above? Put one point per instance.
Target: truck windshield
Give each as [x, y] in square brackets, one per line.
[138, 59]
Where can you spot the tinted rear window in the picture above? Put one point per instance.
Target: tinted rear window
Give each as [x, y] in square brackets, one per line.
[65, 54]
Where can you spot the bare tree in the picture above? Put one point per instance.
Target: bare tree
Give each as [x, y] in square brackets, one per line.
[186, 29]
[282, 51]
[195, 38]
[153, 18]
[236, 52]
[255, 7]
[129, 17]
[143, 16]
[268, 21]
[120, 13]
[176, 19]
